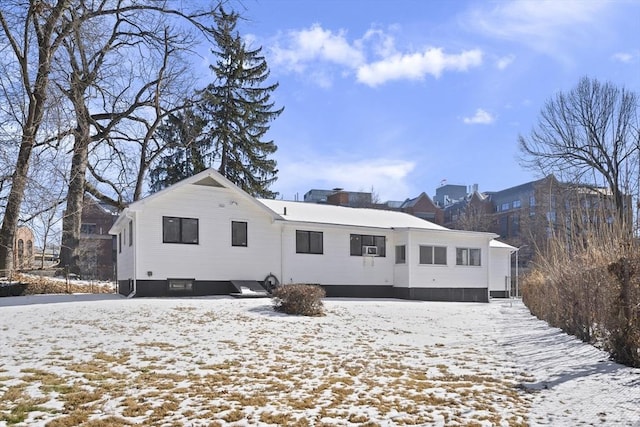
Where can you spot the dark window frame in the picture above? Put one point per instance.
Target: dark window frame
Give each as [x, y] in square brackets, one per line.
[358, 241]
[88, 228]
[305, 246]
[236, 239]
[468, 260]
[434, 256]
[181, 238]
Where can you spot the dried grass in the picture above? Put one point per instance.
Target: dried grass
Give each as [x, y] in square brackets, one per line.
[35, 285]
[588, 284]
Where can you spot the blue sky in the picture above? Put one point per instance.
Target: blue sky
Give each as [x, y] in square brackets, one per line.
[400, 95]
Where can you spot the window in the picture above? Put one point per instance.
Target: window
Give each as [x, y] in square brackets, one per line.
[88, 228]
[467, 256]
[130, 233]
[516, 204]
[309, 242]
[551, 216]
[401, 254]
[363, 244]
[179, 230]
[238, 233]
[532, 201]
[120, 242]
[515, 225]
[178, 285]
[504, 207]
[503, 223]
[436, 255]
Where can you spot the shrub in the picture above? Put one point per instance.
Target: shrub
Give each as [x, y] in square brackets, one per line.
[300, 299]
[590, 287]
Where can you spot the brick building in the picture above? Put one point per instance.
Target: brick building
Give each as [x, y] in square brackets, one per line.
[97, 247]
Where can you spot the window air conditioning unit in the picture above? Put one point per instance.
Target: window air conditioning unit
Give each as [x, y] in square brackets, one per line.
[369, 251]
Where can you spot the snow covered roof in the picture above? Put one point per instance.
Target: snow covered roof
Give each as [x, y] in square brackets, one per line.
[501, 245]
[329, 214]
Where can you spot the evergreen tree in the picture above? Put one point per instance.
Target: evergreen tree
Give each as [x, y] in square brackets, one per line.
[184, 155]
[238, 110]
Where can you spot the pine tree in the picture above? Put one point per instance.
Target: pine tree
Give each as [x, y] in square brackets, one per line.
[184, 154]
[238, 109]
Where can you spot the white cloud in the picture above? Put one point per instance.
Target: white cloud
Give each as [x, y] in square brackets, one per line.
[624, 57]
[481, 117]
[374, 58]
[388, 177]
[545, 25]
[505, 61]
[315, 43]
[416, 66]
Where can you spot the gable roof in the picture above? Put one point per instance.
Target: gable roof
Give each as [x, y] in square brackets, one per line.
[302, 212]
[208, 178]
[340, 215]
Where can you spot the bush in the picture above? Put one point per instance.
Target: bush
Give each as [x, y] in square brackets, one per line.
[305, 300]
[26, 284]
[591, 291]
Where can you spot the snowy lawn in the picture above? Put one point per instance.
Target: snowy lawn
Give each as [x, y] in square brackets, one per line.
[102, 360]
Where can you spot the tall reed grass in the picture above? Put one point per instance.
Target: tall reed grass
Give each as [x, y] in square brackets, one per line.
[586, 281]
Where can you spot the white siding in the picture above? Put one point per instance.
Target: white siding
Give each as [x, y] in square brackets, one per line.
[271, 247]
[336, 266]
[500, 269]
[401, 272]
[451, 275]
[125, 260]
[213, 258]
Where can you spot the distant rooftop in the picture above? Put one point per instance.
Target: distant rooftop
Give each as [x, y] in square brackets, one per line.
[329, 214]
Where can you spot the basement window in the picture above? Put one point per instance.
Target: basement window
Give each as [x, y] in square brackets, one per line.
[180, 285]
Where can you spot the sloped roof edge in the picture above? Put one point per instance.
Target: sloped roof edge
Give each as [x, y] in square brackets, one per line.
[194, 179]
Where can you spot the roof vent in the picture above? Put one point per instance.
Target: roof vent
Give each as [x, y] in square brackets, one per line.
[209, 182]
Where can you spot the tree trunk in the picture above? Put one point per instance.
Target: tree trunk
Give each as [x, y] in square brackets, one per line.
[69, 250]
[37, 98]
[19, 179]
[12, 211]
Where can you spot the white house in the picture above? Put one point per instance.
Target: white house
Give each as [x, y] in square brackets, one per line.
[204, 235]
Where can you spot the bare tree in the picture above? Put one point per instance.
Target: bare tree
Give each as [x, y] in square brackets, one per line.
[71, 43]
[44, 199]
[589, 135]
[142, 46]
[34, 35]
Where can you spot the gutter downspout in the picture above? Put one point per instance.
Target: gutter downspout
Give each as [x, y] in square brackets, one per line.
[488, 264]
[509, 289]
[281, 253]
[134, 224]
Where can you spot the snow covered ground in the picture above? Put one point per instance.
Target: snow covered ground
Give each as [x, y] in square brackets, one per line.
[106, 360]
